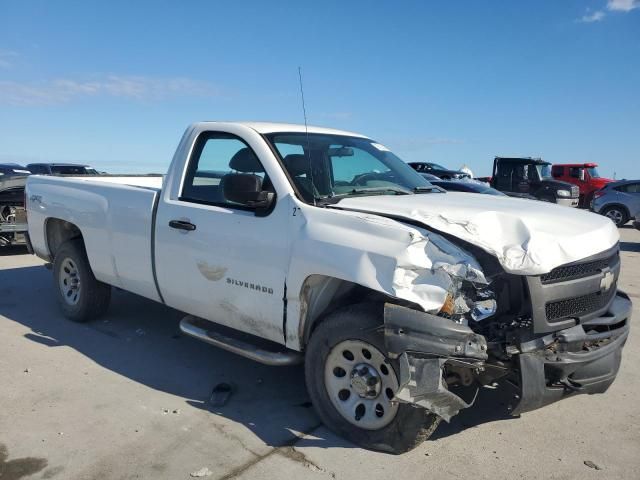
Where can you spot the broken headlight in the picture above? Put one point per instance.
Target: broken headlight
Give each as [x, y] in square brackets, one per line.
[469, 300]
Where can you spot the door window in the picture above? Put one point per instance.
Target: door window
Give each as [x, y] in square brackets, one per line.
[574, 172]
[218, 161]
[630, 188]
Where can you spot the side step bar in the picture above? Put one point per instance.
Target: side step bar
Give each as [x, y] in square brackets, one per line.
[205, 331]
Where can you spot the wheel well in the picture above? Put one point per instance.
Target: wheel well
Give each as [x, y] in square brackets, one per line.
[321, 295]
[59, 231]
[619, 205]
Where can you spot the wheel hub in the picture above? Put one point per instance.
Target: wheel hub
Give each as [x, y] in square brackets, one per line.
[365, 381]
[69, 282]
[361, 384]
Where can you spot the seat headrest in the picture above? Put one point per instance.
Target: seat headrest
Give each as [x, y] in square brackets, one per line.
[245, 161]
[296, 163]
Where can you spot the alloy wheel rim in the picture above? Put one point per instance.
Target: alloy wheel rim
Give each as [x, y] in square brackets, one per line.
[69, 282]
[615, 215]
[361, 384]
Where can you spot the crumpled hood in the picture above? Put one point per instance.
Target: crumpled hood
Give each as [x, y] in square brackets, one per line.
[527, 237]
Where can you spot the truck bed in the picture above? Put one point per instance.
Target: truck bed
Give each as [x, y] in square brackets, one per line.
[115, 216]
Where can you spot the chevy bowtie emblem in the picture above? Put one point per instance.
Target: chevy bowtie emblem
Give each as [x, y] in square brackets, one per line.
[606, 281]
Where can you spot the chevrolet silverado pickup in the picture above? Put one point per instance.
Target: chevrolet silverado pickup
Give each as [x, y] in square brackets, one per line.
[288, 245]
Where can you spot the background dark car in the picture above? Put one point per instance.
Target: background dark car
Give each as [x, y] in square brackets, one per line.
[60, 169]
[470, 187]
[13, 169]
[438, 170]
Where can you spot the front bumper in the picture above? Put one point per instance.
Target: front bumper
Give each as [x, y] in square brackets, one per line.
[581, 359]
[584, 358]
[567, 202]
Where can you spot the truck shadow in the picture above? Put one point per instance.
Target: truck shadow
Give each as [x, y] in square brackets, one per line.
[140, 339]
[13, 250]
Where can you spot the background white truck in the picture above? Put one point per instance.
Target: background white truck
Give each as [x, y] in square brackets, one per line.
[288, 245]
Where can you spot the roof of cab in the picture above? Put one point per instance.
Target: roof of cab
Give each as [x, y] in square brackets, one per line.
[269, 127]
[587, 164]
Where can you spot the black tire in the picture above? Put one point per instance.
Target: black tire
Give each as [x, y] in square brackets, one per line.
[618, 215]
[411, 425]
[93, 297]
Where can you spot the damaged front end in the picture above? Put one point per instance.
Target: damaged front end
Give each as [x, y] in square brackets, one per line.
[424, 345]
[551, 336]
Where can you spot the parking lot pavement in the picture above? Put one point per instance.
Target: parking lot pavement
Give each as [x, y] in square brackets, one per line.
[127, 397]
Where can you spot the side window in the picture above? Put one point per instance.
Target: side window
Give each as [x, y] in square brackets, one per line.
[633, 188]
[574, 172]
[221, 166]
[557, 171]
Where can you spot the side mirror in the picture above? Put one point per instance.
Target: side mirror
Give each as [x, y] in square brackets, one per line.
[246, 189]
[581, 175]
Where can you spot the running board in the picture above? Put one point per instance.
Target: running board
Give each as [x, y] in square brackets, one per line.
[206, 331]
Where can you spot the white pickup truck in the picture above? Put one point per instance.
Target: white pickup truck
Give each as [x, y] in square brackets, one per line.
[286, 244]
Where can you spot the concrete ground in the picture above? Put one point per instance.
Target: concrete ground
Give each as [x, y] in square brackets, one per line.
[127, 397]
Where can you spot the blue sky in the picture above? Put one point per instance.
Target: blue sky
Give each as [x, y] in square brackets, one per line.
[115, 83]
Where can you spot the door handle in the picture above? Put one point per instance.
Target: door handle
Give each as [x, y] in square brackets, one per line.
[182, 225]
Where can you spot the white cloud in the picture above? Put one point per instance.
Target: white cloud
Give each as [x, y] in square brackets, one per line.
[623, 5]
[6, 58]
[64, 90]
[596, 16]
[612, 6]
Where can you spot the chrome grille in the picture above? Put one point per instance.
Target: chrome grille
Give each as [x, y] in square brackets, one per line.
[575, 191]
[579, 270]
[577, 306]
[574, 292]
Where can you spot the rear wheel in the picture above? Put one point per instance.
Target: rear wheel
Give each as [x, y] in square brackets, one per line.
[351, 383]
[80, 296]
[618, 215]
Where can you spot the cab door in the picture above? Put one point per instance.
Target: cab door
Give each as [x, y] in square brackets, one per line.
[214, 257]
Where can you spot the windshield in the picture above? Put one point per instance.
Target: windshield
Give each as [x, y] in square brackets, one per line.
[324, 167]
[544, 171]
[71, 170]
[438, 167]
[593, 172]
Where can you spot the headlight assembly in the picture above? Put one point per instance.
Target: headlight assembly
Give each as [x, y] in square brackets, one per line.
[564, 193]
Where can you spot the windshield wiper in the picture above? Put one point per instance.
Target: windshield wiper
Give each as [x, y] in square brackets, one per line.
[432, 188]
[381, 190]
[335, 198]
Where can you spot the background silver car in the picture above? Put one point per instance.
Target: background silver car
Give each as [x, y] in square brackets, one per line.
[620, 201]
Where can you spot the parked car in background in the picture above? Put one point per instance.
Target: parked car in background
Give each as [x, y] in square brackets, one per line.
[584, 175]
[438, 170]
[532, 176]
[13, 220]
[620, 201]
[13, 169]
[466, 186]
[430, 177]
[61, 169]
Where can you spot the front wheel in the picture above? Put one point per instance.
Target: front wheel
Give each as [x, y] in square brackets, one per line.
[351, 383]
[81, 297]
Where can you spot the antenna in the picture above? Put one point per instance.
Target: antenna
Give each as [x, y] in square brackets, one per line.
[306, 131]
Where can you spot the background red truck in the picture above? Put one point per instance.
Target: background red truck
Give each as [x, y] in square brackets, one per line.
[584, 175]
